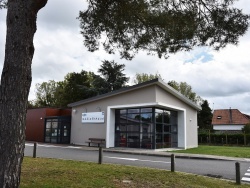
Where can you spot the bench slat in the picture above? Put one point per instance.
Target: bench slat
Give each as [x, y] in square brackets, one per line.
[96, 141]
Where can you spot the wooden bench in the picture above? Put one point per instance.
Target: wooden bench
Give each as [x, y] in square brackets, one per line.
[97, 141]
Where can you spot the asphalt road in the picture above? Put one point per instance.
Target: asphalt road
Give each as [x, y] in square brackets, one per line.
[214, 168]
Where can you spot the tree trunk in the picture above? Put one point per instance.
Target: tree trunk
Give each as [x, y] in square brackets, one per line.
[15, 85]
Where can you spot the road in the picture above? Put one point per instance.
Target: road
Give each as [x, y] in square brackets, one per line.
[214, 168]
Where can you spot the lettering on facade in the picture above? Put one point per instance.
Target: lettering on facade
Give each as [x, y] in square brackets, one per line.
[93, 117]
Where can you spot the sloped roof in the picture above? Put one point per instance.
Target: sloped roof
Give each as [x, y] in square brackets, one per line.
[156, 81]
[229, 117]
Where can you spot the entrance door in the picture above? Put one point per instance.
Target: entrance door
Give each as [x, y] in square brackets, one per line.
[57, 130]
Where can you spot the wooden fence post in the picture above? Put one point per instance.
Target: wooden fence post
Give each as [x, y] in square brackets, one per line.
[226, 138]
[209, 135]
[245, 138]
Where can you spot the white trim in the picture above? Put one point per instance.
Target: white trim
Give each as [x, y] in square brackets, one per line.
[156, 104]
[185, 129]
[108, 127]
[228, 127]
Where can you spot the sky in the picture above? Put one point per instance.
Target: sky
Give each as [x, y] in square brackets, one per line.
[220, 77]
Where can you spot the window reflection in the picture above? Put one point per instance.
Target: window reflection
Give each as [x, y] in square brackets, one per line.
[146, 128]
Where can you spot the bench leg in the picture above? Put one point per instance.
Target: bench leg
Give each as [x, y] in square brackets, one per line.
[89, 144]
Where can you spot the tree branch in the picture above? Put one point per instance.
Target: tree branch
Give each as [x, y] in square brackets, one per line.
[36, 5]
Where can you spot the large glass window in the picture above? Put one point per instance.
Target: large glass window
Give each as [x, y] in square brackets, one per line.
[134, 128]
[145, 128]
[166, 128]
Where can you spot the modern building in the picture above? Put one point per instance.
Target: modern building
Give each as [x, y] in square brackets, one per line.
[149, 115]
[229, 120]
[51, 125]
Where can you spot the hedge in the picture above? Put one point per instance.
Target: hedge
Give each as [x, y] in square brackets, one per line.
[224, 139]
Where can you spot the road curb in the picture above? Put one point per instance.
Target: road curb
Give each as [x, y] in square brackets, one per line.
[178, 155]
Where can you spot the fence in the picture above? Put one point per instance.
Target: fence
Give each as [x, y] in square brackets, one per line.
[225, 138]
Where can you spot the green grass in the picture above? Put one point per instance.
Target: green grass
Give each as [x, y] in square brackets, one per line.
[54, 173]
[243, 152]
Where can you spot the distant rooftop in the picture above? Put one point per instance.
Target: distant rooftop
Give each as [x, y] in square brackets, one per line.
[229, 116]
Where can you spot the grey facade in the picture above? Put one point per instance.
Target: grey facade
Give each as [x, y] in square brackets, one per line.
[143, 105]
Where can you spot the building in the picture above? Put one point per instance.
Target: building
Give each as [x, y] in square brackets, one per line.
[149, 115]
[51, 125]
[229, 120]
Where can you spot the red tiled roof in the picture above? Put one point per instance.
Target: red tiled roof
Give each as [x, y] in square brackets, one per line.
[229, 117]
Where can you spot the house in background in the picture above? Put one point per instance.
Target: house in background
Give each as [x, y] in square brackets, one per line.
[51, 125]
[229, 120]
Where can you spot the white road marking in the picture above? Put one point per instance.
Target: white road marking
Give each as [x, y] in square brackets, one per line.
[247, 174]
[73, 147]
[248, 170]
[53, 146]
[133, 159]
[245, 179]
[154, 161]
[119, 158]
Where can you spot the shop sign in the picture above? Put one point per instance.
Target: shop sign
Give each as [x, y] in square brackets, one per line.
[93, 117]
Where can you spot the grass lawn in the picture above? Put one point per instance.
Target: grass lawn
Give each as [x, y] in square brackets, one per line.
[54, 173]
[227, 151]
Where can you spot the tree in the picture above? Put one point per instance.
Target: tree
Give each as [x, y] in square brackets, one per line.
[112, 74]
[246, 129]
[32, 104]
[74, 87]
[205, 116]
[45, 94]
[160, 27]
[3, 4]
[143, 77]
[78, 86]
[15, 85]
[185, 90]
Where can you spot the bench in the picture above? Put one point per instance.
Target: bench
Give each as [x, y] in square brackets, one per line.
[97, 141]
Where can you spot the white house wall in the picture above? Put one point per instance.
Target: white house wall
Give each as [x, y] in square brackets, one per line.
[81, 132]
[187, 131]
[187, 116]
[228, 127]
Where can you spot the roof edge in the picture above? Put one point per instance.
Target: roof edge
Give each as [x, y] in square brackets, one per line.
[156, 81]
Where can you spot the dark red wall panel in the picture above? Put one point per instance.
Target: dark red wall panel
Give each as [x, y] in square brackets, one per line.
[35, 121]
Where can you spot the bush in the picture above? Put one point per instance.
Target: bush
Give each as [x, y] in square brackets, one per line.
[246, 128]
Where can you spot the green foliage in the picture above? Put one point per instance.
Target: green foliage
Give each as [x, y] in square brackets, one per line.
[143, 77]
[3, 4]
[246, 128]
[185, 90]
[32, 104]
[45, 94]
[223, 138]
[80, 86]
[160, 27]
[205, 116]
[113, 75]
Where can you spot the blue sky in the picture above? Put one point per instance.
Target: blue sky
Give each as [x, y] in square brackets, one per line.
[221, 77]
